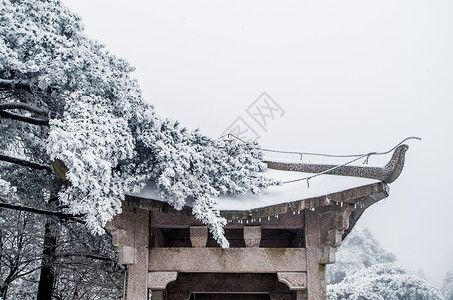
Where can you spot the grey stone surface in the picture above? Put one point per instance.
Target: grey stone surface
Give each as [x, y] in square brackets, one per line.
[294, 280]
[233, 260]
[159, 280]
[252, 236]
[198, 236]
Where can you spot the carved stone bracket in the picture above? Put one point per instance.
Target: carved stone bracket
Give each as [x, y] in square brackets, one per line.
[327, 255]
[198, 236]
[252, 236]
[294, 280]
[159, 280]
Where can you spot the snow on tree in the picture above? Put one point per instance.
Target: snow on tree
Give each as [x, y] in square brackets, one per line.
[359, 250]
[447, 287]
[383, 282]
[67, 101]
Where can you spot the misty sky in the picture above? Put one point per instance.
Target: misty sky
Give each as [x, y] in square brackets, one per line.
[351, 77]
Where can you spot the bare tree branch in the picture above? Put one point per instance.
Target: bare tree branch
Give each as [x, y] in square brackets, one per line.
[87, 255]
[27, 107]
[26, 163]
[15, 84]
[31, 120]
[4, 204]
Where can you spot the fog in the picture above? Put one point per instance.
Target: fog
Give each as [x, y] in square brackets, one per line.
[350, 77]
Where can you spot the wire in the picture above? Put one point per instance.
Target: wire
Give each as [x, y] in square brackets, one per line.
[340, 155]
[357, 157]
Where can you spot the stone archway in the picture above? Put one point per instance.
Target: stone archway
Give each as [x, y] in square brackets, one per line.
[228, 286]
[230, 297]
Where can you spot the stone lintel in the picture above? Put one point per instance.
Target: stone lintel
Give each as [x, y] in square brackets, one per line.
[294, 280]
[159, 280]
[252, 236]
[198, 236]
[232, 260]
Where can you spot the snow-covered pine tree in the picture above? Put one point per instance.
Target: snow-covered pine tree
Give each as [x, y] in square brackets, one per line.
[365, 271]
[359, 250]
[66, 100]
[383, 282]
[447, 287]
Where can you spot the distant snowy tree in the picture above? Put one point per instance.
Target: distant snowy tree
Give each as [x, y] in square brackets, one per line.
[383, 282]
[359, 250]
[364, 270]
[447, 287]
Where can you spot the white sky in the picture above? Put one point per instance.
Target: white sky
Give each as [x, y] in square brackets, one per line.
[352, 76]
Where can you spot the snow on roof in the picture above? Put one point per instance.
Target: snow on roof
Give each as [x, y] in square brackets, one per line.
[299, 190]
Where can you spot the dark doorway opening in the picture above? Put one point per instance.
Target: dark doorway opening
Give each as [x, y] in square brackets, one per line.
[229, 297]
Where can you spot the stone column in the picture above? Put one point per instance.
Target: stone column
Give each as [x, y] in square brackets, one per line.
[316, 274]
[324, 228]
[130, 236]
[137, 282]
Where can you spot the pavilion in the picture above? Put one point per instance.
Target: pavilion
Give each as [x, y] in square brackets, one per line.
[280, 242]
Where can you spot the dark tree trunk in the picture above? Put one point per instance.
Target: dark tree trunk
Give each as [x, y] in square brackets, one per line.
[3, 291]
[47, 277]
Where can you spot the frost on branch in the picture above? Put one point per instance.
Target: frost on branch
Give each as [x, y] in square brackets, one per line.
[102, 130]
[91, 141]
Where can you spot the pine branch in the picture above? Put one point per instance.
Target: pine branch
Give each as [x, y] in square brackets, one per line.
[26, 163]
[15, 84]
[18, 117]
[4, 204]
[27, 107]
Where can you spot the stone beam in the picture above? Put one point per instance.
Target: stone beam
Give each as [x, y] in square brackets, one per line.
[233, 260]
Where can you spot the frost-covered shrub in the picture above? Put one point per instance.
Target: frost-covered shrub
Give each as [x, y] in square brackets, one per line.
[359, 250]
[383, 282]
[447, 287]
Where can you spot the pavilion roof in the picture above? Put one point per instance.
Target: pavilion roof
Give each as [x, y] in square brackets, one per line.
[303, 188]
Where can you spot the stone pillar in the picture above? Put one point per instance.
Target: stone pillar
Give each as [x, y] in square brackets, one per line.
[137, 282]
[316, 274]
[252, 236]
[324, 228]
[130, 236]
